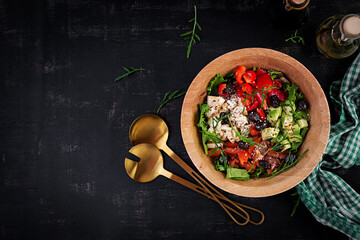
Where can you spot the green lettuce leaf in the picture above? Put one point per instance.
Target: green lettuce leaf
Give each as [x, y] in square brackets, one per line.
[213, 87]
[237, 173]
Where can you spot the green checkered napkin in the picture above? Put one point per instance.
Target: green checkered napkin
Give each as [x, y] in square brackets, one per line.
[329, 198]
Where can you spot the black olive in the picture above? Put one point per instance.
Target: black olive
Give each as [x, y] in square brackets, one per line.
[260, 125]
[243, 145]
[274, 101]
[254, 116]
[290, 158]
[230, 88]
[264, 164]
[302, 104]
[225, 120]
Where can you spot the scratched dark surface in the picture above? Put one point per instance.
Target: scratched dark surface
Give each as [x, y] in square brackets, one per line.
[64, 123]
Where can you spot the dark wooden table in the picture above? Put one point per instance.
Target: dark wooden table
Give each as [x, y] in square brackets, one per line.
[64, 123]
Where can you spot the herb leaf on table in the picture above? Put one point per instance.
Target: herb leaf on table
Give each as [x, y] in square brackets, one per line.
[296, 203]
[129, 70]
[296, 38]
[192, 34]
[170, 95]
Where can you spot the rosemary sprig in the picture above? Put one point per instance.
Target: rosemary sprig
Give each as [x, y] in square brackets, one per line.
[170, 96]
[129, 71]
[262, 91]
[275, 147]
[248, 140]
[296, 203]
[191, 34]
[219, 120]
[295, 38]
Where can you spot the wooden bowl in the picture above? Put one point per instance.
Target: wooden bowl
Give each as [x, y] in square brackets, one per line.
[316, 138]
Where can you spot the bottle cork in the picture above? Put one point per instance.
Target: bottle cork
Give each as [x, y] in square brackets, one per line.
[351, 26]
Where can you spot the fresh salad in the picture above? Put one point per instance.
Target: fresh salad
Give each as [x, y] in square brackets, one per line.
[253, 123]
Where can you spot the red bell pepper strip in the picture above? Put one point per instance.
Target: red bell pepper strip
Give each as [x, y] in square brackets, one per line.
[253, 106]
[262, 100]
[261, 114]
[239, 73]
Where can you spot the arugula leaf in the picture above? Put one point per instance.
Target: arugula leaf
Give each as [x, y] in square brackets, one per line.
[218, 166]
[275, 75]
[302, 114]
[292, 91]
[170, 96]
[212, 89]
[230, 77]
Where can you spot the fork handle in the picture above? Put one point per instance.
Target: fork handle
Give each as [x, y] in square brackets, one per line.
[206, 191]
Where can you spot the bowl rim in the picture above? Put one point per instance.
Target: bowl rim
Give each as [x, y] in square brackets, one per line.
[187, 119]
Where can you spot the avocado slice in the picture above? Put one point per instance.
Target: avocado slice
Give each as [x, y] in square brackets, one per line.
[302, 123]
[295, 138]
[273, 115]
[296, 129]
[287, 123]
[270, 132]
[285, 145]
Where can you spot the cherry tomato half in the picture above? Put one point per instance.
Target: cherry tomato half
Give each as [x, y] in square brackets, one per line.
[249, 77]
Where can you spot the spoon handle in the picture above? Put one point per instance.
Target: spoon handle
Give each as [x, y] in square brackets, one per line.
[203, 182]
[200, 190]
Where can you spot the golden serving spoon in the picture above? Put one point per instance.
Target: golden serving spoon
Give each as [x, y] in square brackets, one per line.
[150, 128]
[150, 167]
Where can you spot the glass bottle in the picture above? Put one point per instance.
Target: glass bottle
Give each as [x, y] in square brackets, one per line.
[338, 36]
[289, 14]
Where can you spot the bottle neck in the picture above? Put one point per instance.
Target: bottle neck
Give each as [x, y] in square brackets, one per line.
[296, 4]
